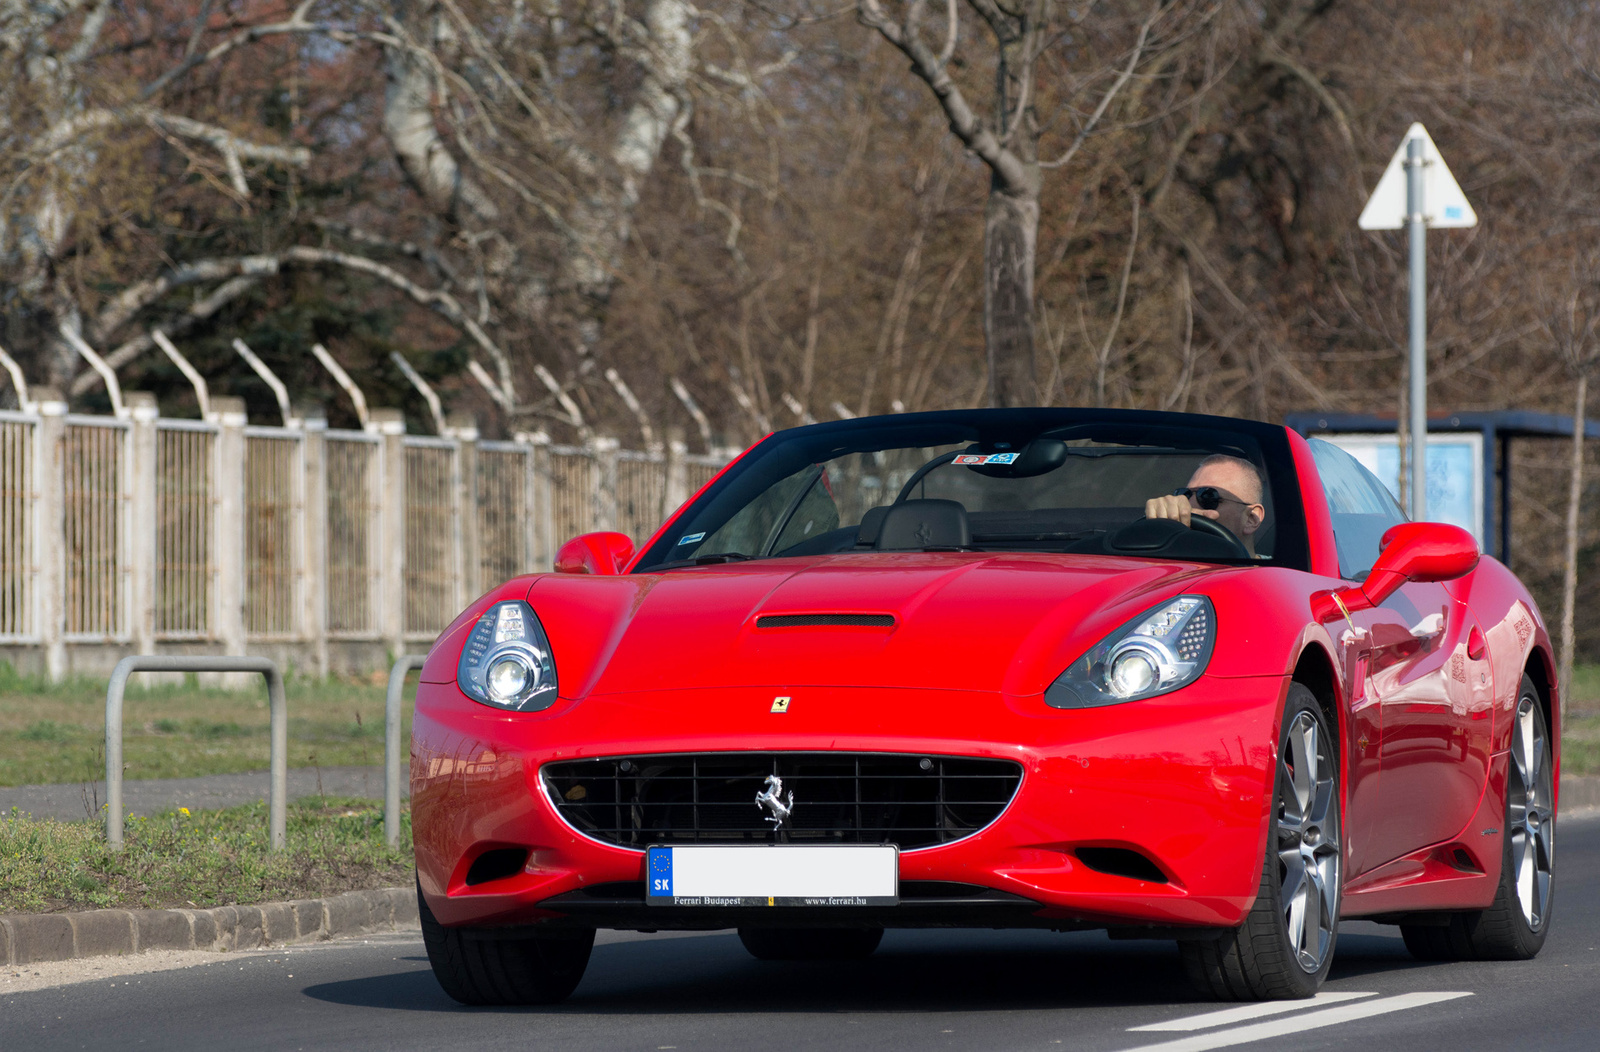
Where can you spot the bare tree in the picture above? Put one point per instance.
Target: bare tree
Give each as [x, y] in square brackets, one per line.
[1007, 141]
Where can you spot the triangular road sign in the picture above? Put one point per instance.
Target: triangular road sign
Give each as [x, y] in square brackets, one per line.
[1443, 203]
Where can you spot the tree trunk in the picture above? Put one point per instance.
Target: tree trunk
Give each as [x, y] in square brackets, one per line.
[1010, 236]
[1569, 590]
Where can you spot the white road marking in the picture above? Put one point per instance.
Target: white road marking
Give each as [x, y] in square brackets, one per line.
[1295, 1024]
[1229, 1016]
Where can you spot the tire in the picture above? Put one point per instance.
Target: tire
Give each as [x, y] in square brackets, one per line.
[1284, 948]
[1514, 926]
[477, 967]
[811, 944]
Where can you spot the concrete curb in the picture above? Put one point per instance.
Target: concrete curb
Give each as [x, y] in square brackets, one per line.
[31, 938]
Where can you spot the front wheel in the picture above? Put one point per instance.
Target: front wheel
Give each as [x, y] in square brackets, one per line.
[1285, 946]
[1514, 926]
[483, 967]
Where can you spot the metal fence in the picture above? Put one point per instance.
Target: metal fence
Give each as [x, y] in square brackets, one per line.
[138, 530]
[271, 479]
[93, 451]
[185, 455]
[354, 516]
[17, 494]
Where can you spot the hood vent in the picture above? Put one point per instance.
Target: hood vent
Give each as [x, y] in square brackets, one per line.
[825, 621]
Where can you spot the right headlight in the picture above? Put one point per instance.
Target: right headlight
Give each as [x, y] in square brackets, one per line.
[1155, 653]
[506, 662]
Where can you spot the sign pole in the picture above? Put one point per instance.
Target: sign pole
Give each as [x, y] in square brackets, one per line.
[1415, 192]
[1416, 225]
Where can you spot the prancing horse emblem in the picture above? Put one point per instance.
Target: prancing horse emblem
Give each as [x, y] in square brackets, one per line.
[771, 800]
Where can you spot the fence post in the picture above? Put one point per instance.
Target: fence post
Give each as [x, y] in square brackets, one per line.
[391, 744]
[604, 450]
[228, 522]
[314, 534]
[391, 424]
[142, 525]
[463, 427]
[50, 530]
[541, 514]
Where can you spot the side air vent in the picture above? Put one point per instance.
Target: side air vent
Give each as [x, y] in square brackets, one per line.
[1121, 862]
[496, 864]
[825, 621]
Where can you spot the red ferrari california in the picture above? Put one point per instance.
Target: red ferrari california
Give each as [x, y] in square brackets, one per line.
[1172, 676]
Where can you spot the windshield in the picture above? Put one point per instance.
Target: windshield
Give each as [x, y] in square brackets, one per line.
[1069, 481]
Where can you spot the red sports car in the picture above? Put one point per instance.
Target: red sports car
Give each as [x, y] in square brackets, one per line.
[1174, 676]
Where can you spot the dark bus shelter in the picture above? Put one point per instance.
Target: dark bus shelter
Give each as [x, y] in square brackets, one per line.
[1498, 429]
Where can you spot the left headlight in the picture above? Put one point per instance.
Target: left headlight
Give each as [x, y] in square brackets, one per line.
[506, 662]
[1155, 653]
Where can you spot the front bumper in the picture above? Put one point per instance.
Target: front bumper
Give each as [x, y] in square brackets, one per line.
[1183, 780]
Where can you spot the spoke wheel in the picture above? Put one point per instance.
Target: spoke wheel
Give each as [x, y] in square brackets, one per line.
[1285, 946]
[1530, 814]
[1514, 926]
[1308, 843]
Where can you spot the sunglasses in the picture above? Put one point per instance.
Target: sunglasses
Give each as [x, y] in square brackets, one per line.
[1207, 498]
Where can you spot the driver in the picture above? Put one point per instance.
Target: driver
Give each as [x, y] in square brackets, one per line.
[1224, 489]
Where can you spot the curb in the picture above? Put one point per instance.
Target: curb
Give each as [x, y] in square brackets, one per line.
[34, 938]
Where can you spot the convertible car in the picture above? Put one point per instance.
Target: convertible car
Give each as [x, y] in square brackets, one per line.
[1172, 676]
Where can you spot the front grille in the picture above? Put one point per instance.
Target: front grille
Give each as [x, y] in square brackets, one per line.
[825, 621]
[839, 798]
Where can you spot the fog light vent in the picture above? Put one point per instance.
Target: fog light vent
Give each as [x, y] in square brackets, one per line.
[497, 864]
[1121, 862]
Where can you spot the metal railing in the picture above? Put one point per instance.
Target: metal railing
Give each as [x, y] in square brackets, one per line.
[392, 719]
[140, 530]
[277, 808]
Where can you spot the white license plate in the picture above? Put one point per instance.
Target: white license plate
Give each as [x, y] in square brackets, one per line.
[773, 875]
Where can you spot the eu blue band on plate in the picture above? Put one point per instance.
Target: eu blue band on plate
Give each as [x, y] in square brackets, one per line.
[660, 867]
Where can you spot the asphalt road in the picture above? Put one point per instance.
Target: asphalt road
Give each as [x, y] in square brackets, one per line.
[922, 990]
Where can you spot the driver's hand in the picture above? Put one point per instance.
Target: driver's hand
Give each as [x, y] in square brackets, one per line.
[1174, 507]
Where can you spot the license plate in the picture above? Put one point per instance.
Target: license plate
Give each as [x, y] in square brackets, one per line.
[773, 875]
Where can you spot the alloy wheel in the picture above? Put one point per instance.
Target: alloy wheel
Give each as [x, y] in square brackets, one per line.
[1530, 822]
[1308, 843]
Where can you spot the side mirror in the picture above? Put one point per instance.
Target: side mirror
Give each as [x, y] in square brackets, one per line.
[597, 553]
[1411, 551]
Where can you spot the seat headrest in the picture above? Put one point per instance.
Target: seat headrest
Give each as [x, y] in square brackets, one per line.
[871, 523]
[925, 524]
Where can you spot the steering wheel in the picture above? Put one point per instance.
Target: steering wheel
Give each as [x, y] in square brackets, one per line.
[1201, 524]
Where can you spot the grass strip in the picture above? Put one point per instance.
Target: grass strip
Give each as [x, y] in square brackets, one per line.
[53, 733]
[199, 859]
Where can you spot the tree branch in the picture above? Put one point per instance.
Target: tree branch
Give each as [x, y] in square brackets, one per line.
[971, 129]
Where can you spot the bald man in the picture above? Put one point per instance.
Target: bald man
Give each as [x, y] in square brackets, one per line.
[1238, 494]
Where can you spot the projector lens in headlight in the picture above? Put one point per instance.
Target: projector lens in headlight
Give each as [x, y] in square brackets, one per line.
[508, 676]
[1155, 653]
[507, 662]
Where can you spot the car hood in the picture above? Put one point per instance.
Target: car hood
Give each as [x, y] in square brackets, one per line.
[961, 621]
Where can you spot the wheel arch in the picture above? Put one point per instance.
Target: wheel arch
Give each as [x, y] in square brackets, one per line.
[1539, 669]
[1314, 670]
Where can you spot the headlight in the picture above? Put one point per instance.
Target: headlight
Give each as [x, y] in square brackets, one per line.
[1157, 652]
[506, 662]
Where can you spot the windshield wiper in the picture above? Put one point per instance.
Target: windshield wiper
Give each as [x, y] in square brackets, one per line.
[712, 559]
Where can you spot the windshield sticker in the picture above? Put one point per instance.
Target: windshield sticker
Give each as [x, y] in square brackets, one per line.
[974, 459]
[690, 538]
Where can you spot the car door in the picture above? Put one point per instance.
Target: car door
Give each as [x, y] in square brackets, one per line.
[1418, 740]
